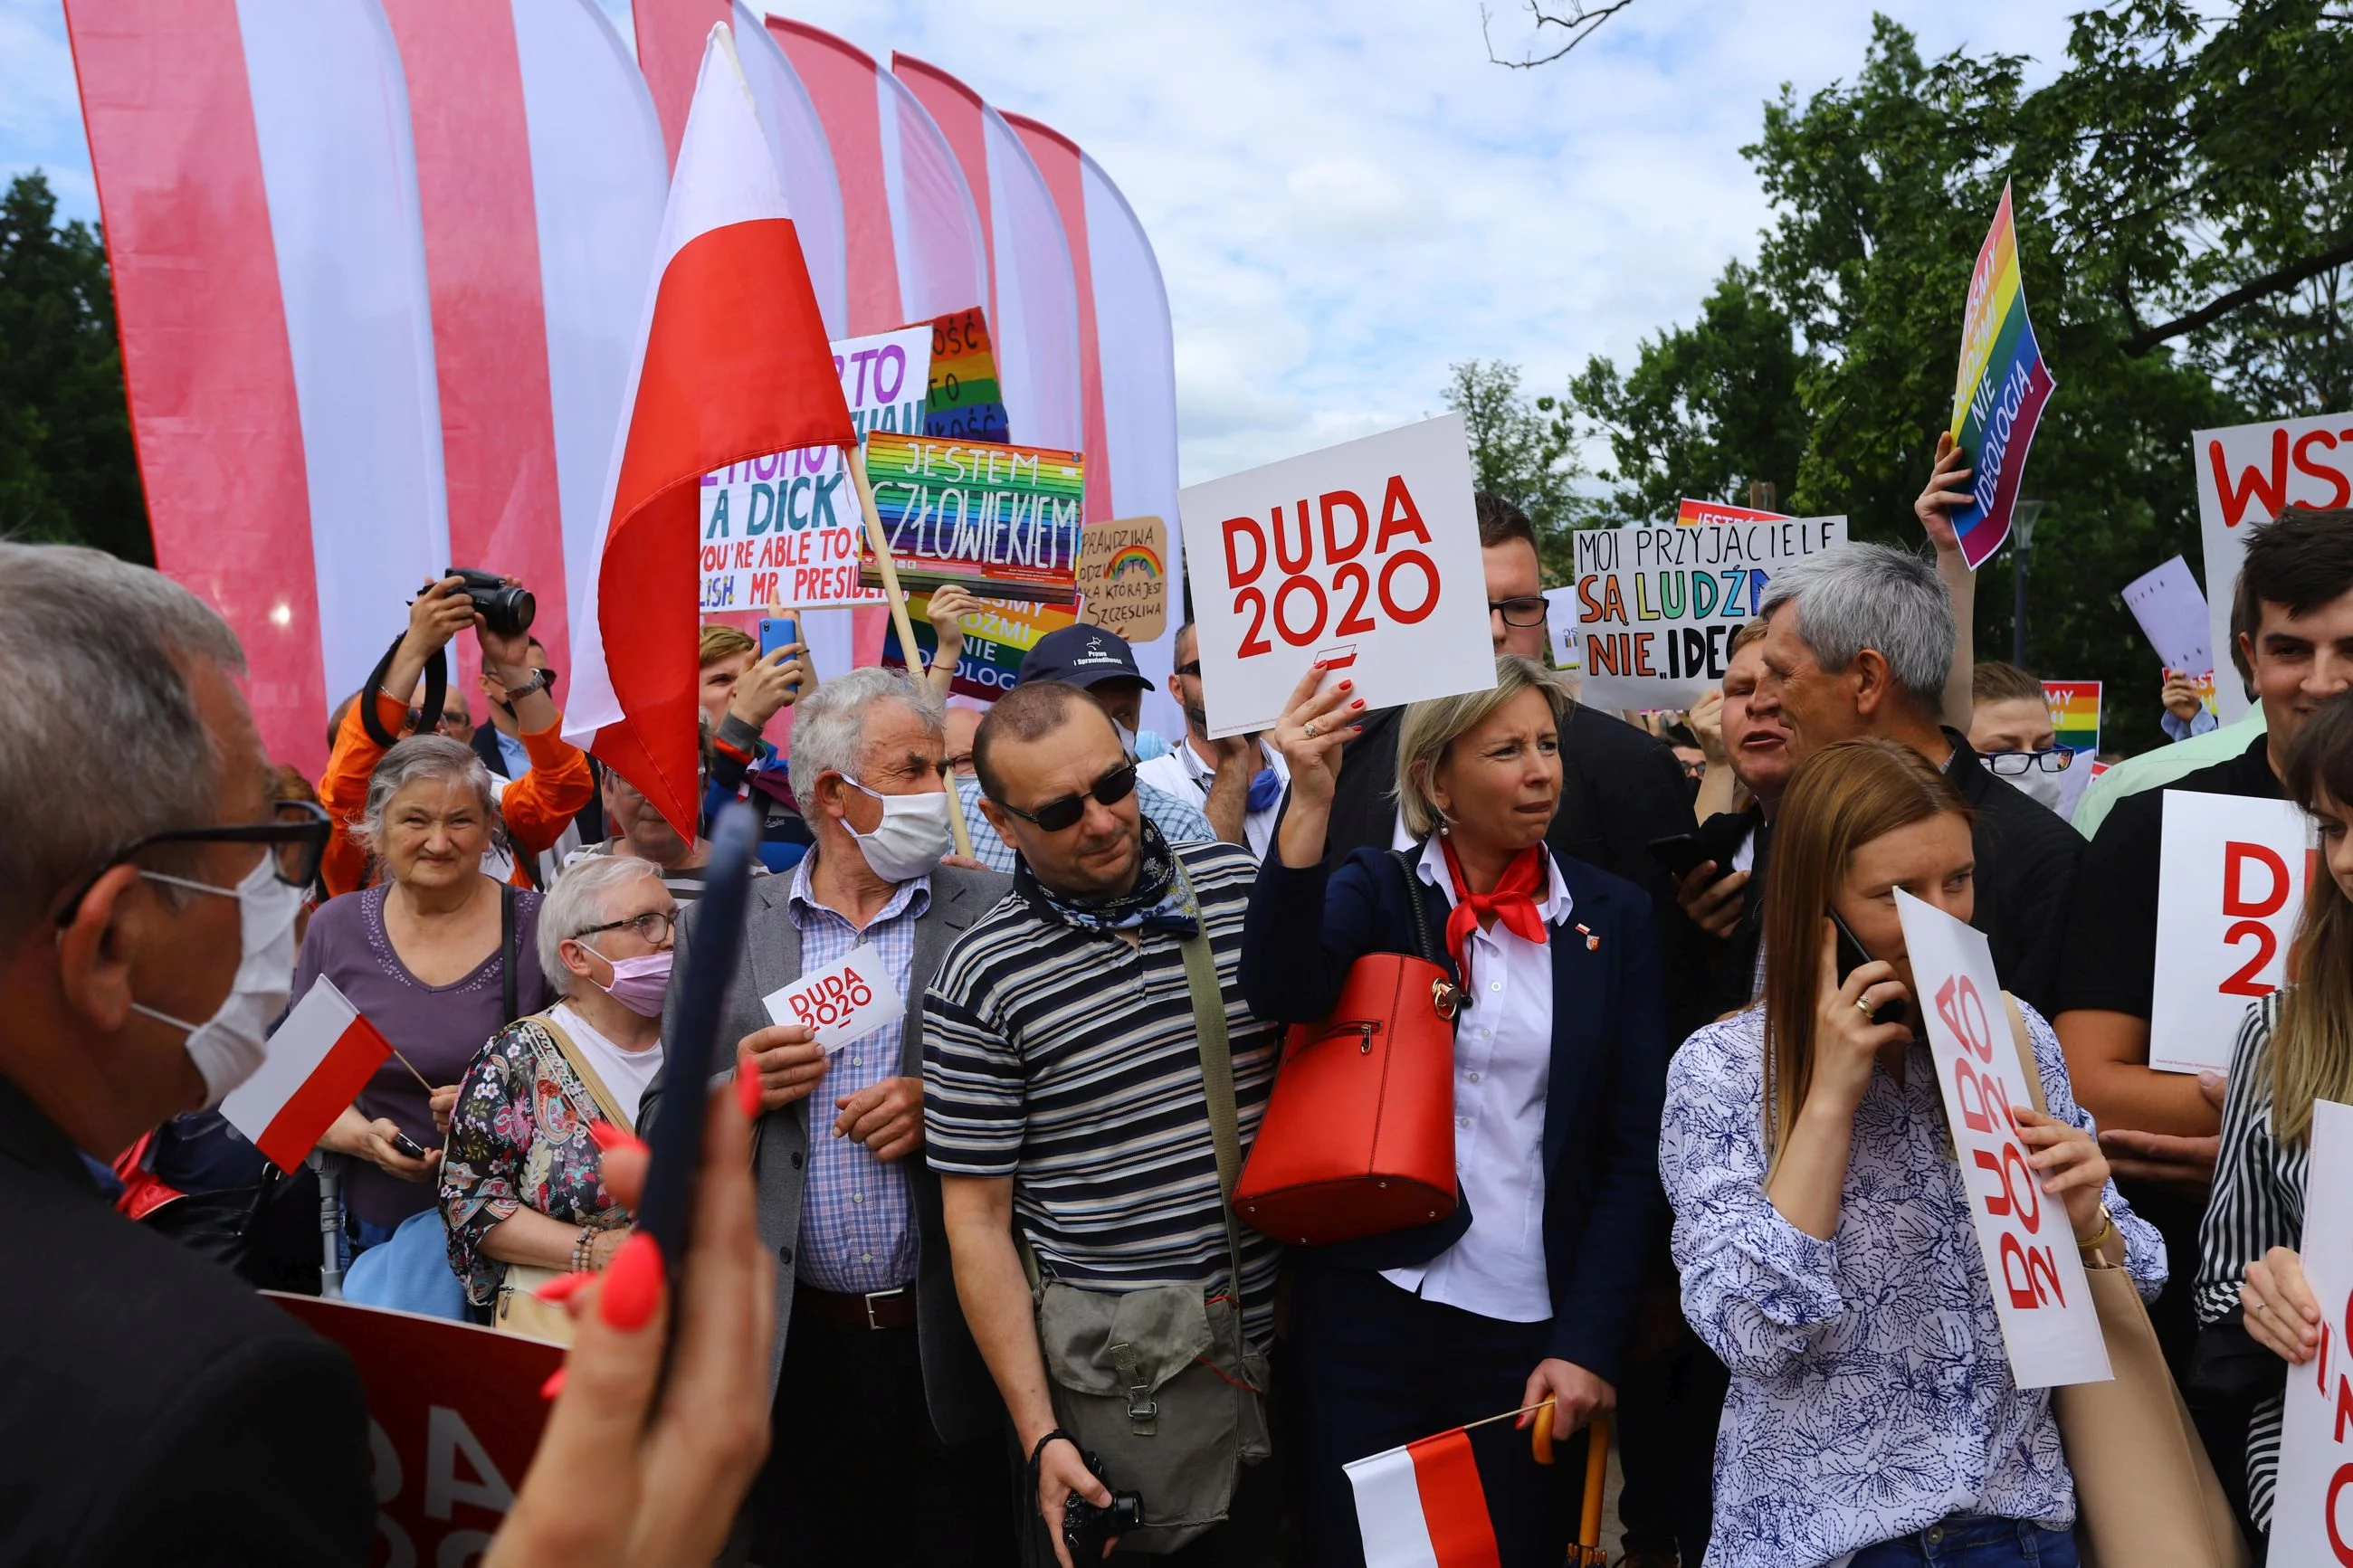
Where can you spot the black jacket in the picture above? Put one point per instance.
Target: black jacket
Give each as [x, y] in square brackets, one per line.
[152, 1409]
[2025, 877]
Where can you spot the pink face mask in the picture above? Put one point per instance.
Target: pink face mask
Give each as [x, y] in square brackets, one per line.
[639, 983]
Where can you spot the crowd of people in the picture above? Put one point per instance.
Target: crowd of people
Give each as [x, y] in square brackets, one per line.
[986, 1257]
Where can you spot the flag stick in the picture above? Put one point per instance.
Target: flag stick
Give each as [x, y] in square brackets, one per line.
[412, 1070]
[889, 568]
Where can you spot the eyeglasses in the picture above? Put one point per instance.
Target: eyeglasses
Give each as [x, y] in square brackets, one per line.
[654, 925]
[1056, 816]
[296, 836]
[2007, 765]
[1192, 669]
[1528, 611]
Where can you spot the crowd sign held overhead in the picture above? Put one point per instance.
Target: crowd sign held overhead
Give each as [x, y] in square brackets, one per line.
[1657, 607]
[2000, 391]
[2312, 1508]
[2074, 713]
[2049, 1324]
[2171, 611]
[965, 399]
[1124, 577]
[1363, 556]
[997, 636]
[2229, 895]
[2249, 474]
[999, 519]
[1695, 513]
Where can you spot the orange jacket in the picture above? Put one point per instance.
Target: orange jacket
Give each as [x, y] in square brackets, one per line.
[537, 806]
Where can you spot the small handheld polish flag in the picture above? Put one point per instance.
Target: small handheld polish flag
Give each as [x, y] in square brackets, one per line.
[319, 1059]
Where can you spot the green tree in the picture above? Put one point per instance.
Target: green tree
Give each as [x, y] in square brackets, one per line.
[1522, 449]
[66, 468]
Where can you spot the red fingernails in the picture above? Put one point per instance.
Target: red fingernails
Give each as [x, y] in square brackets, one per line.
[633, 1284]
[1347, 686]
[747, 1092]
[564, 1286]
[555, 1383]
[609, 1137]
[1359, 702]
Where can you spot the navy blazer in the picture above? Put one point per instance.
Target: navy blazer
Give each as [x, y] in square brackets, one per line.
[1603, 1205]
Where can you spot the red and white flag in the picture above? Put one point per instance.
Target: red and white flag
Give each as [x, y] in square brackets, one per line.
[319, 1059]
[734, 363]
[1422, 1506]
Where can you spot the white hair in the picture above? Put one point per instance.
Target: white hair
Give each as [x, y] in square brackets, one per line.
[583, 895]
[1853, 596]
[829, 727]
[421, 757]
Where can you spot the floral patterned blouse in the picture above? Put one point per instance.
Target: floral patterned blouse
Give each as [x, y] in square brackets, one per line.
[519, 1138]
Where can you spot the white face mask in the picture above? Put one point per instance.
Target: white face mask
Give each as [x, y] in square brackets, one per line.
[912, 838]
[2048, 789]
[228, 1047]
[1127, 737]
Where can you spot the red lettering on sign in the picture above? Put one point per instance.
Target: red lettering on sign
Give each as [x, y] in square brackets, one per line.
[1977, 1118]
[2235, 900]
[2266, 498]
[2029, 1274]
[1300, 637]
[1398, 515]
[2242, 982]
[1282, 557]
[2011, 1158]
[1331, 501]
[1428, 571]
[2338, 1483]
[2340, 493]
[1253, 640]
[1353, 619]
[1235, 530]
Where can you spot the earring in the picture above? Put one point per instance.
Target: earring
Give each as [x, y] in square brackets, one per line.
[1442, 827]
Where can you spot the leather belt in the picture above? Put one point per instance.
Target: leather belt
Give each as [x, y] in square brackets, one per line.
[871, 1309]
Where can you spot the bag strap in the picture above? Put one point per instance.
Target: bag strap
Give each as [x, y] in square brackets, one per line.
[1416, 909]
[587, 1075]
[1217, 1069]
[508, 1004]
[2025, 1053]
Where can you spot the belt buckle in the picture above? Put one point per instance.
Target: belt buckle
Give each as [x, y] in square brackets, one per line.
[874, 1296]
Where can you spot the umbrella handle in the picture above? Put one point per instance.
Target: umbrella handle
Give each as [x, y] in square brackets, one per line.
[1597, 1477]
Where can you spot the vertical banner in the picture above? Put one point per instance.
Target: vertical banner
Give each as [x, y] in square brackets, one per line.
[2249, 474]
[1999, 394]
[2048, 1322]
[2312, 1508]
[2230, 892]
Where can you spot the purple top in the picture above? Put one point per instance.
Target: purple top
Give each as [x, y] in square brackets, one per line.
[438, 1027]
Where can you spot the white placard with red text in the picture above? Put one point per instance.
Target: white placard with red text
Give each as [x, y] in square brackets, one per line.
[2048, 1322]
[2230, 892]
[2248, 474]
[2312, 1510]
[1364, 555]
[846, 1000]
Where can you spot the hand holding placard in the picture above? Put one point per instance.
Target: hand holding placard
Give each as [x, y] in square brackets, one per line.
[848, 998]
[2312, 1514]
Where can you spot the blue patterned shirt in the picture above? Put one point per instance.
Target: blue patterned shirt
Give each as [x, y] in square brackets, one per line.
[1871, 1396]
[858, 1231]
[1179, 821]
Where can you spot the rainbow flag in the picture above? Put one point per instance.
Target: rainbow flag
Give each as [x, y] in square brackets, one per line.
[996, 638]
[1002, 521]
[2074, 713]
[964, 401]
[1999, 394]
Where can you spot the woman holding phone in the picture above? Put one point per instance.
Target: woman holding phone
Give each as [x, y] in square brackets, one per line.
[1823, 1226]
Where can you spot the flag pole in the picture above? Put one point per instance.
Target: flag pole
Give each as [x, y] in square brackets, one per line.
[877, 541]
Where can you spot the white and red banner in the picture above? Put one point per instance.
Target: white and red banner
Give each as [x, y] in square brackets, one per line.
[1423, 1506]
[847, 999]
[732, 364]
[2249, 474]
[318, 1059]
[2049, 1324]
[2312, 1508]
[2230, 892]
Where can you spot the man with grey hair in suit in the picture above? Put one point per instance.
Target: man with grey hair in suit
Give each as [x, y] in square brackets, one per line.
[887, 1428]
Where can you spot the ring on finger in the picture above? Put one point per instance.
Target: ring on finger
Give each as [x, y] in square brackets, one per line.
[1862, 1004]
[1309, 729]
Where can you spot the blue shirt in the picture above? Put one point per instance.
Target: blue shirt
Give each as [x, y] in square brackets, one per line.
[1870, 1394]
[518, 760]
[858, 1231]
[2200, 722]
[1178, 823]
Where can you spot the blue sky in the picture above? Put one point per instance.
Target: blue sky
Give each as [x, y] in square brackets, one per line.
[1344, 198]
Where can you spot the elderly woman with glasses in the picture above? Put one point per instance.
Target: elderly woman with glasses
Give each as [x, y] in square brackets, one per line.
[522, 1183]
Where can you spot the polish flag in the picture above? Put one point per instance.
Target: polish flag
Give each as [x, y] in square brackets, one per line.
[1422, 1506]
[319, 1060]
[732, 364]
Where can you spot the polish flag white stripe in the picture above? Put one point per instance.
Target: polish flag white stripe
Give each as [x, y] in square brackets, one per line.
[1388, 1511]
[318, 1060]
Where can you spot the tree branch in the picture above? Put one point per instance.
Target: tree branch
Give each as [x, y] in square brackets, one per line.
[1580, 20]
[2271, 283]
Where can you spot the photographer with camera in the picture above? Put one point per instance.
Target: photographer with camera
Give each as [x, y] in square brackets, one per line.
[535, 807]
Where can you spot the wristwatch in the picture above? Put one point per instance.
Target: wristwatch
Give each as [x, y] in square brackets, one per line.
[538, 682]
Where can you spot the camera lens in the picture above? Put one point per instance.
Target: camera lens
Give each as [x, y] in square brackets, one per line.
[510, 611]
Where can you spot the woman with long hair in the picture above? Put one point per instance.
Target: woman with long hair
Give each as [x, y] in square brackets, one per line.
[1822, 1222]
[2295, 1047]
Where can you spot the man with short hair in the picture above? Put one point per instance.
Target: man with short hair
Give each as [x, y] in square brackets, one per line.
[886, 1430]
[1064, 1095]
[643, 833]
[2009, 711]
[1236, 782]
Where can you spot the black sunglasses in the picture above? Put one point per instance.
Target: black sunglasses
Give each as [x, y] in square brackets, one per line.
[1056, 816]
[298, 836]
[1192, 669]
[1528, 611]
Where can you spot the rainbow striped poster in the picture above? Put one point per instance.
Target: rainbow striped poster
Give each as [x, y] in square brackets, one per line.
[1998, 394]
[996, 638]
[1002, 521]
[2074, 713]
[965, 399]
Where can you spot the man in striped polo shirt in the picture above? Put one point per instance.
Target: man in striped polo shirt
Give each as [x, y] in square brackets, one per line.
[1062, 1080]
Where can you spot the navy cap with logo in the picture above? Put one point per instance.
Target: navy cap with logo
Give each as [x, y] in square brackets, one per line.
[1082, 656]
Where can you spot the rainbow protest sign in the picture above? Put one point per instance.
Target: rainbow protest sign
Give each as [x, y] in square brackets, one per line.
[1998, 396]
[2074, 713]
[995, 637]
[1002, 521]
[964, 400]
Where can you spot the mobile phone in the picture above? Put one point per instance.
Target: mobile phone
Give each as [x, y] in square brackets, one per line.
[778, 631]
[1680, 853]
[1851, 957]
[407, 1145]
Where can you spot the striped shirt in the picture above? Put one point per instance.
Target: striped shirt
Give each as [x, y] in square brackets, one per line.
[1067, 1060]
[2258, 1203]
[1180, 823]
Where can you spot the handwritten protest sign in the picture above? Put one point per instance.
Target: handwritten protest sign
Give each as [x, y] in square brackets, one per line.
[998, 519]
[2171, 611]
[1124, 577]
[454, 1414]
[2312, 1509]
[965, 403]
[2249, 474]
[996, 638]
[782, 529]
[1363, 556]
[1560, 626]
[1693, 513]
[1657, 607]
[846, 1000]
[2074, 713]
[2049, 1325]
[1999, 394]
[2230, 891]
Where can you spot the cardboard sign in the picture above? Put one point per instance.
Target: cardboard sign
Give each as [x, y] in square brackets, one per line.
[965, 402]
[2312, 1510]
[996, 638]
[2230, 892]
[1657, 607]
[2074, 713]
[846, 1000]
[1693, 513]
[2000, 391]
[2249, 474]
[783, 530]
[1560, 626]
[1124, 577]
[1001, 520]
[2049, 1325]
[1363, 556]
[454, 1414]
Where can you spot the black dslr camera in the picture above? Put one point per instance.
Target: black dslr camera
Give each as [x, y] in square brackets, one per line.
[1086, 1527]
[504, 608]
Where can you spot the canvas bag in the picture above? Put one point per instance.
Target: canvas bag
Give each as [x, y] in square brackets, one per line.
[519, 1311]
[1159, 1383]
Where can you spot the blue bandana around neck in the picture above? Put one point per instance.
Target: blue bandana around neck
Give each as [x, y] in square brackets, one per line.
[1265, 789]
[1156, 903]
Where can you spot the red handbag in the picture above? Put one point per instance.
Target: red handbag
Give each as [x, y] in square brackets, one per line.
[1358, 1136]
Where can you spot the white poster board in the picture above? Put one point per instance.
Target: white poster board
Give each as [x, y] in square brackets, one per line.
[2248, 474]
[1657, 607]
[847, 999]
[1560, 626]
[1364, 556]
[2230, 891]
[2312, 1510]
[2171, 610]
[2048, 1322]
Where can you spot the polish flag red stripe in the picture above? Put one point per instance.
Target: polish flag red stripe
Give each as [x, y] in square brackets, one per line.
[333, 1084]
[318, 1061]
[1453, 1503]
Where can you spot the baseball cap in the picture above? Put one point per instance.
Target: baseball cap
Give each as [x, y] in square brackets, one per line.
[1082, 656]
